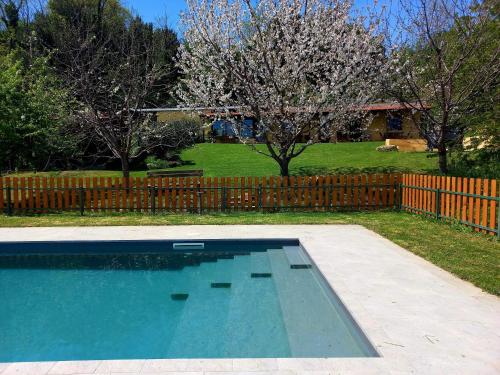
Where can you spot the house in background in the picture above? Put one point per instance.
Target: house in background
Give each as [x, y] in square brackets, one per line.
[391, 121]
[386, 121]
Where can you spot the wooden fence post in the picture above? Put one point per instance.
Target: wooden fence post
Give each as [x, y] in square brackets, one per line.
[438, 203]
[152, 194]
[224, 197]
[9, 202]
[82, 200]
[259, 197]
[399, 191]
[200, 200]
[498, 220]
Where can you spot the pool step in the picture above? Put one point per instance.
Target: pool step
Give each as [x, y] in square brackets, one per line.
[296, 258]
[257, 275]
[233, 257]
[315, 327]
[199, 257]
[220, 285]
[253, 328]
[205, 311]
[179, 296]
[260, 268]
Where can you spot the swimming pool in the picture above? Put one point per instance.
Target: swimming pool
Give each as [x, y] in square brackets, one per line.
[169, 299]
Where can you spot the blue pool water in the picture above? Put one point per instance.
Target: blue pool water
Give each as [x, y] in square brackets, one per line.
[145, 299]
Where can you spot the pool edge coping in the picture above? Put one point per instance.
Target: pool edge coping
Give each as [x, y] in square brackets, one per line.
[374, 331]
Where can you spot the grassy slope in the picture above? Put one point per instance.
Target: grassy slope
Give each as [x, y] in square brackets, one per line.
[473, 257]
[325, 158]
[233, 159]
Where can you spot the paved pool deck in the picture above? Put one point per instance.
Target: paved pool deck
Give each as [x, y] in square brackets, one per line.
[421, 319]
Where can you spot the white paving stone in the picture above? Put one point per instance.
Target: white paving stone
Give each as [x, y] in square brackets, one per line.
[421, 319]
[28, 368]
[3, 366]
[74, 367]
[163, 365]
[250, 364]
[302, 364]
[120, 366]
[216, 364]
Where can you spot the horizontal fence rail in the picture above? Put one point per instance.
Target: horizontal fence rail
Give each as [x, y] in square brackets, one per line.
[204, 194]
[470, 201]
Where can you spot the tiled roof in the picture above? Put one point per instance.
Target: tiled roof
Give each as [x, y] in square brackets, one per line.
[236, 111]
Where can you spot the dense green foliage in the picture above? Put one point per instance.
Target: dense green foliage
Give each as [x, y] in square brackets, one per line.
[34, 109]
[482, 119]
[483, 163]
[471, 256]
[92, 64]
[482, 112]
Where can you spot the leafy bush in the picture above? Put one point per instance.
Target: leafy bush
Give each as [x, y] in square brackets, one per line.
[33, 110]
[476, 163]
[152, 162]
[385, 148]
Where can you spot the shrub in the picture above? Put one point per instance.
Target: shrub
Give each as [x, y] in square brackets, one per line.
[152, 162]
[388, 148]
[483, 163]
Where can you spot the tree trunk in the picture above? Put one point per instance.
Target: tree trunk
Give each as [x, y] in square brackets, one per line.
[443, 160]
[125, 166]
[284, 167]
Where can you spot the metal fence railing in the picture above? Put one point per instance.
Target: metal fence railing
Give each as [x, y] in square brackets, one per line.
[473, 202]
[153, 195]
[469, 201]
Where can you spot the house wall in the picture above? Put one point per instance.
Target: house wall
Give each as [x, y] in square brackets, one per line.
[378, 129]
[172, 116]
[175, 116]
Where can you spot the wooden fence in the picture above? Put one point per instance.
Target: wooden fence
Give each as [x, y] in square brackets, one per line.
[470, 201]
[319, 193]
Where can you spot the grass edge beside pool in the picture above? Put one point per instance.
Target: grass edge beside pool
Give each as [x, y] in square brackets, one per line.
[472, 256]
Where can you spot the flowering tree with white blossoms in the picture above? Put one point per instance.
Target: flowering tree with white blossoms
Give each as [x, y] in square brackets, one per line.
[299, 67]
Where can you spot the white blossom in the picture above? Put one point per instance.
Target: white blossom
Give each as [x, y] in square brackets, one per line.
[299, 67]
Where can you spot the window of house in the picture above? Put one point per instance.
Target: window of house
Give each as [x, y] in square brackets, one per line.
[247, 128]
[394, 122]
[223, 128]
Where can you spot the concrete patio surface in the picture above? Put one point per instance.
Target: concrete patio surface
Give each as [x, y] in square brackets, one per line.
[421, 319]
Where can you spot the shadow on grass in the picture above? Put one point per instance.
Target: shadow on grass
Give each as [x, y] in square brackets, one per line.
[318, 171]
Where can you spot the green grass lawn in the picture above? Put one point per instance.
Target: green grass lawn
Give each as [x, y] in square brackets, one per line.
[471, 256]
[325, 158]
